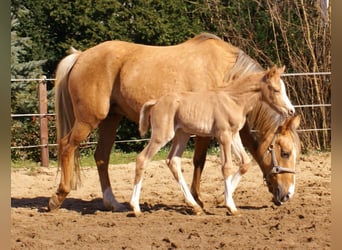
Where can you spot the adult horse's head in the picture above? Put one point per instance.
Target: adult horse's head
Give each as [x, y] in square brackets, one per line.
[274, 92]
[278, 155]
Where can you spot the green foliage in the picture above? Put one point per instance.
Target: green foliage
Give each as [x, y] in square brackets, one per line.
[24, 98]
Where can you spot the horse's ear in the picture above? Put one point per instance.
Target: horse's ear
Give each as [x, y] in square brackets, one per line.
[291, 123]
[295, 121]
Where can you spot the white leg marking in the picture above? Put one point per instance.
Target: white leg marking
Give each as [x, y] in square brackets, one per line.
[235, 181]
[175, 167]
[228, 194]
[135, 197]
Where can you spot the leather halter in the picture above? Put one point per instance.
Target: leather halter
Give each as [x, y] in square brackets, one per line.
[276, 169]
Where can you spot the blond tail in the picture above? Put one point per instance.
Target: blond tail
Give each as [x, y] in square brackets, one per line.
[64, 112]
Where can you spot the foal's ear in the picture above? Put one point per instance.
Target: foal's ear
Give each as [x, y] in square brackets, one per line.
[281, 70]
[271, 72]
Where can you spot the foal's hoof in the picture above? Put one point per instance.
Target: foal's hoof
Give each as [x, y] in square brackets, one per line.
[197, 211]
[137, 213]
[233, 212]
[54, 203]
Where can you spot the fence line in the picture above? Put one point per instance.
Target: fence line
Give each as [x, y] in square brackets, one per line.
[296, 106]
[44, 146]
[140, 140]
[307, 74]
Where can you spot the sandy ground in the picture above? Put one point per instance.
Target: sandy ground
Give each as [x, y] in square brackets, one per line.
[302, 223]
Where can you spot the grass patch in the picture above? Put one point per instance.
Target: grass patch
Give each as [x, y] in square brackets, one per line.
[119, 157]
[116, 157]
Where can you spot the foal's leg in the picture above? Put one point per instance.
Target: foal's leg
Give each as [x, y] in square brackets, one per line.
[142, 160]
[245, 160]
[174, 162]
[107, 132]
[225, 140]
[68, 145]
[201, 147]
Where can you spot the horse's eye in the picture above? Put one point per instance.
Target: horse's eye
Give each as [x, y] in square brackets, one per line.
[285, 154]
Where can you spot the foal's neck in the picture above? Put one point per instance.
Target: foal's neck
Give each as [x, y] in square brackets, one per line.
[246, 91]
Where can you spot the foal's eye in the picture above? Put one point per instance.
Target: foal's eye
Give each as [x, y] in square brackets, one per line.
[284, 154]
[276, 90]
[273, 89]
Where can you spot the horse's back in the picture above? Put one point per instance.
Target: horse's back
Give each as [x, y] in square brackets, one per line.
[125, 75]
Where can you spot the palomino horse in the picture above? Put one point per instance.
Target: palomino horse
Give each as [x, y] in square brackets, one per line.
[99, 86]
[219, 113]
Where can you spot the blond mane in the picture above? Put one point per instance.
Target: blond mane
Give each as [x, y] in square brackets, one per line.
[203, 37]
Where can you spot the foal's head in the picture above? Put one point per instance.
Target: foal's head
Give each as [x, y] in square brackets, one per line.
[274, 92]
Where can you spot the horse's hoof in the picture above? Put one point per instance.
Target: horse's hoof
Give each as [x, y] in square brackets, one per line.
[54, 204]
[120, 208]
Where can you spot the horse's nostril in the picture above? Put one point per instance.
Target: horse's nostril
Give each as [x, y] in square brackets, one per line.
[285, 198]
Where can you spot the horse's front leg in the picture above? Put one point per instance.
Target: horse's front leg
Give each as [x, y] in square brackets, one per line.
[225, 143]
[107, 132]
[201, 147]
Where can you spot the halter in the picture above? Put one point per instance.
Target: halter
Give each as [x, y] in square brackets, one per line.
[276, 169]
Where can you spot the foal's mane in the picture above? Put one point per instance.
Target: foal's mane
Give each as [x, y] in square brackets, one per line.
[262, 118]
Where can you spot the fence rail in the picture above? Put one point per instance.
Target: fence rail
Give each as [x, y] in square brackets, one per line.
[44, 127]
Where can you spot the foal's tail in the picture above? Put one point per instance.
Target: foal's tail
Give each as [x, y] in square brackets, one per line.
[144, 119]
[64, 112]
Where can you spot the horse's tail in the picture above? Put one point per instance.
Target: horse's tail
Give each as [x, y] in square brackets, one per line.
[144, 119]
[64, 112]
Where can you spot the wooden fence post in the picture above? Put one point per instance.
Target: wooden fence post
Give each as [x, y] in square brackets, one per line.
[44, 134]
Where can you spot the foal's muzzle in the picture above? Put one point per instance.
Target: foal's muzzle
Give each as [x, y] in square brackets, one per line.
[291, 112]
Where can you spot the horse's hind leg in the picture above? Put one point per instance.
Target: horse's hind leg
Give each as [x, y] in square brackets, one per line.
[68, 145]
[174, 162]
[201, 147]
[107, 131]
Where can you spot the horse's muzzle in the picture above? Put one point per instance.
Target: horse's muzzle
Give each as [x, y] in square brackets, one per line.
[280, 196]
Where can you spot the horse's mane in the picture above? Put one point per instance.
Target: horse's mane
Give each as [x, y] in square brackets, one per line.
[203, 37]
[263, 119]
